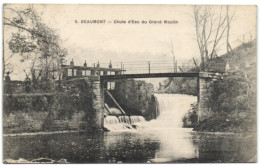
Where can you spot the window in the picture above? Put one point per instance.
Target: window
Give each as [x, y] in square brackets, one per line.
[88, 72]
[112, 73]
[83, 73]
[111, 85]
[69, 72]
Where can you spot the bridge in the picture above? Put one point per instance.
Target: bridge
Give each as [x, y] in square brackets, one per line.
[147, 75]
[98, 76]
[138, 69]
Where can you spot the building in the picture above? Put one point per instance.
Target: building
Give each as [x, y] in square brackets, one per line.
[72, 71]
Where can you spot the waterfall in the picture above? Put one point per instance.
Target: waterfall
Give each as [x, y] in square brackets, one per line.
[123, 122]
[112, 123]
[111, 120]
[170, 110]
[124, 119]
[137, 119]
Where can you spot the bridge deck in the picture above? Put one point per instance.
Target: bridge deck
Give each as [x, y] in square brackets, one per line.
[148, 75]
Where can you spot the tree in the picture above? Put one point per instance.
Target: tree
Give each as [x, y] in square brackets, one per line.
[228, 28]
[210, 25]
[34, 41]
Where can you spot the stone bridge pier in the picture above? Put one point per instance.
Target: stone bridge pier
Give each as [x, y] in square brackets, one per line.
[206, 86]
[98, 104]
[95, 114]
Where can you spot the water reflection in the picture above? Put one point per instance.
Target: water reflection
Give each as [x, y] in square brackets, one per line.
[175, 144]
[134, 147]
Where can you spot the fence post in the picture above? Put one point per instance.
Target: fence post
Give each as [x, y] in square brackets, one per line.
[175, 67]
[149, 66]
[173, 64]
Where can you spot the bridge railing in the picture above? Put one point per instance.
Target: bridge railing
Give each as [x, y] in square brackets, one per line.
[140, 67]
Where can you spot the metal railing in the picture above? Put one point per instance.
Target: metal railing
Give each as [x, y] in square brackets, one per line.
[140, 67]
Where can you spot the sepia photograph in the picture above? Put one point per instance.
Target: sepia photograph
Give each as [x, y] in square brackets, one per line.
[118, 83]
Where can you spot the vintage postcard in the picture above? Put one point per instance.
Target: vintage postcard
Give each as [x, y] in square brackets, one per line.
[129, 83]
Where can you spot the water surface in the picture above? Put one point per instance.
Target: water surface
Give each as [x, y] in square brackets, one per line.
[133, 147]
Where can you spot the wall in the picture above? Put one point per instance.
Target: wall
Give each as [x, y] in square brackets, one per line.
[20, 122]
[64, 110]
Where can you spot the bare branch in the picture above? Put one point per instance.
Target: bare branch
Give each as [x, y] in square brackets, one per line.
[8, 58]
[16, 13]
[210, 29]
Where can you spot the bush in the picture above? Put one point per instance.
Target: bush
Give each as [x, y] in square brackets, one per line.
[232, 105]
[190, 120]
[182, 85]
[76, 96]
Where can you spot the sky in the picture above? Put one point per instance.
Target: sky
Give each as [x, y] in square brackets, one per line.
[129, 42]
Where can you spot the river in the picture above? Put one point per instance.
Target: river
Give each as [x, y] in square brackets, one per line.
[160, 140]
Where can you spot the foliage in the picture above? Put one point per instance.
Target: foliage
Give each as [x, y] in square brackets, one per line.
[13, 104]
[233, 106]
[135, 97]
[74, 97]
[190, 120]
[182, 85]
[36, 43]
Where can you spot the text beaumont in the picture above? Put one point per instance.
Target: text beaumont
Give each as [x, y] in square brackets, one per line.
[97, 21]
